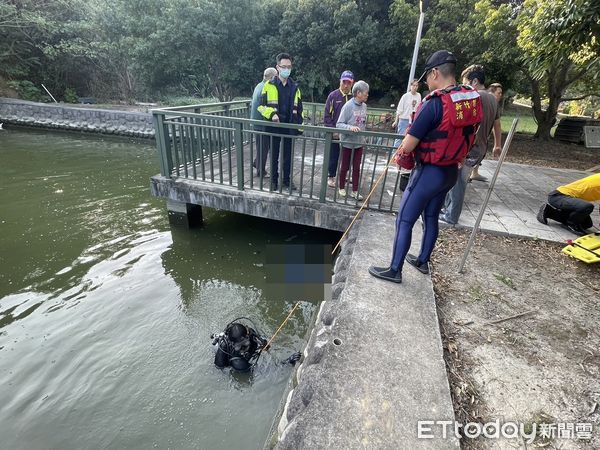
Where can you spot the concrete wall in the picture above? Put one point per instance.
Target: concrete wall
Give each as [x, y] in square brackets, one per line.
[61, 116]
[373, 366]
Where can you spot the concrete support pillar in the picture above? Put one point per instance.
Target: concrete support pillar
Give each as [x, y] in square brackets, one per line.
[184, 214]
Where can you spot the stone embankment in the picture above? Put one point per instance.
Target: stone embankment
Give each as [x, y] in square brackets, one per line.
[373, 367]
[71, 118]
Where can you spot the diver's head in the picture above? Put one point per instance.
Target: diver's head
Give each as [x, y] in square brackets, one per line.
[237, 332]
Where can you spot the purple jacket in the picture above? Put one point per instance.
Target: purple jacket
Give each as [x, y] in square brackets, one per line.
[333, 106]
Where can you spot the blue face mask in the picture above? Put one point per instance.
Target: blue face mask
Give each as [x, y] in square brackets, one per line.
[285, 73]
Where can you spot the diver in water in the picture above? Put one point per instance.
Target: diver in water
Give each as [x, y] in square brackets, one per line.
[239, 346]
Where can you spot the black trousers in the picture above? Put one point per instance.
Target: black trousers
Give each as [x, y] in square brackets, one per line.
[275, 142]
[263, 143]
[570, 210]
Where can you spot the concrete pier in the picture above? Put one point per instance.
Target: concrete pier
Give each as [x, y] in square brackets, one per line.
[187, 215]
[287, 208]
[374, 365]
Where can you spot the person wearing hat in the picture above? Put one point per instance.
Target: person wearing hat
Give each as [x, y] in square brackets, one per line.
[442, 133]
[333, 106]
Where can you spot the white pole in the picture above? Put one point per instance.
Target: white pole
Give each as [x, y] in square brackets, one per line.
[489, 193]
[413, 65]
[49, 93]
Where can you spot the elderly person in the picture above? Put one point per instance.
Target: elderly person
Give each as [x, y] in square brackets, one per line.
[262, 141]
[353, 117]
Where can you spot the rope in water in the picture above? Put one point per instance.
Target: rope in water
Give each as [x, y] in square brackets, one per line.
[280, 326]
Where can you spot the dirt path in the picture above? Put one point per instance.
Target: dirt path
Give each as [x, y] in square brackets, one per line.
[526, 150]
[543, 367]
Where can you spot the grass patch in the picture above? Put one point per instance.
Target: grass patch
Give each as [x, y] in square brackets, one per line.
[526, 125]
[476, 293]
[506, 280]
[185, 100]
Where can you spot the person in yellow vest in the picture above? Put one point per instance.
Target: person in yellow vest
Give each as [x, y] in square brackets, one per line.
[281, 102]
[570, 204]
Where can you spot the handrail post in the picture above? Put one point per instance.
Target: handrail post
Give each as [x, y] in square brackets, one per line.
[239, 150]
[324, 174]
[161, 145]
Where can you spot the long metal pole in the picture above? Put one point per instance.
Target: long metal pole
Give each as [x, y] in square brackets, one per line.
[365, 201]
[413, 65]
[489, 193]
[46, 89]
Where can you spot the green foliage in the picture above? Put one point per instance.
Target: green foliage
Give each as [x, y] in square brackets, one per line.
[565, 30]
[557, 33]
[152, 49]
[71, 96]
[27, 90]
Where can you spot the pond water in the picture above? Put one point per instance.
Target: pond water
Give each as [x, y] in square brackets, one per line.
[106, 312]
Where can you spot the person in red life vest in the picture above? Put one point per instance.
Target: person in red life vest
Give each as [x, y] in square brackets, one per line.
[441, 135]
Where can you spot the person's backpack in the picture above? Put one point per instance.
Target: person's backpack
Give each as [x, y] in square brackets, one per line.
[450, 142]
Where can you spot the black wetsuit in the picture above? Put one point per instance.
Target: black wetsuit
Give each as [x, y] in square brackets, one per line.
[238, 355]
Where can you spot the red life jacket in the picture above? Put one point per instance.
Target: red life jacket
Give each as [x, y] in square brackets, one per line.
[450, 142]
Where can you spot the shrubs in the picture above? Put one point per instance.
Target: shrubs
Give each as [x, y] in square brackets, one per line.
[27, 90]
[71, 96]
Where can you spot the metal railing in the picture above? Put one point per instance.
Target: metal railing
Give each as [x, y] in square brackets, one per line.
[218, 143]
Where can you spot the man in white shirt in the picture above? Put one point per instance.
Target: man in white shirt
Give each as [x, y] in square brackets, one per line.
[406, 108]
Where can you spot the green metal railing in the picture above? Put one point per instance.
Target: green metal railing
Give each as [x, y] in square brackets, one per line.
[218, 143]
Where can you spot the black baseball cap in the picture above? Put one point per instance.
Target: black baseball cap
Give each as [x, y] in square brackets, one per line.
[437, 59]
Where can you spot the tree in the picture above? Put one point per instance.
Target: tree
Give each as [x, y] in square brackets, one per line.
[28, 29]
[558, 54]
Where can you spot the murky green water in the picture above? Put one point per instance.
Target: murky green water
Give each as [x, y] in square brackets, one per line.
[105, 312]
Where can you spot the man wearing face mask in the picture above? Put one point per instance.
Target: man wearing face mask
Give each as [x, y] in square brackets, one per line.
[281, 102]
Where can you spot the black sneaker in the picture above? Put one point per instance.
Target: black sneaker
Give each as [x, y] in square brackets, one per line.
[386, 273]
[542, 215]
[414, 261]
[576, 229]
[286, 187]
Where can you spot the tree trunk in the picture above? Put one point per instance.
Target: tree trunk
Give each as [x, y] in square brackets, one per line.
[556, 85]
